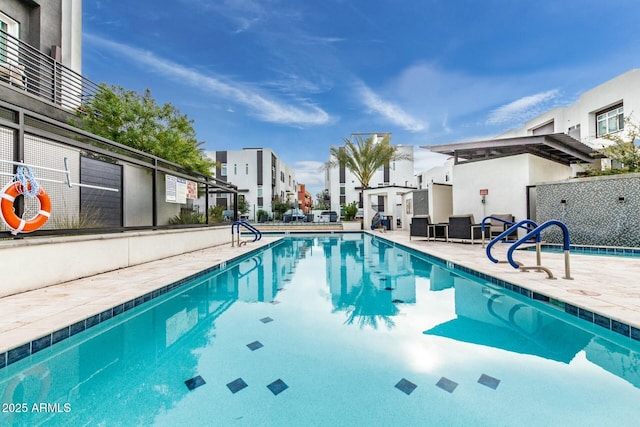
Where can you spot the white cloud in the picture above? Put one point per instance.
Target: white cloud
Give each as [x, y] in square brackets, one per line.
[423, 160]
[522, 109]
[263, 107]
[389, 110]
[311, 174]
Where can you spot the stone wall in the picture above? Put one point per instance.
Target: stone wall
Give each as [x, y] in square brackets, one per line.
[601, 211]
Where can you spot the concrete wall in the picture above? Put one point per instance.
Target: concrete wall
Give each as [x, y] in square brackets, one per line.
[506, 180]
[441, 202]
[592, 210]
[37, 263]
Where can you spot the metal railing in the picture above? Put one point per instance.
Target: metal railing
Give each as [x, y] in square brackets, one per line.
[27, 69]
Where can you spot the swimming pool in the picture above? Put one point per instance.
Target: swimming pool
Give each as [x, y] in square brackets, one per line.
[332, 331]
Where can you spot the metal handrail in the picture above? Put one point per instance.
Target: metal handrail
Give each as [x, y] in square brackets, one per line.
[236, 224]
[514, 227]
[566, 246]
[25, 68]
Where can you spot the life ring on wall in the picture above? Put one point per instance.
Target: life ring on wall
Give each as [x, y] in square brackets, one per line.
[8, 195]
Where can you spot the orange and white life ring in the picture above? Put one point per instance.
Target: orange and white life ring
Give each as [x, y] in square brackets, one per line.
[8, 195]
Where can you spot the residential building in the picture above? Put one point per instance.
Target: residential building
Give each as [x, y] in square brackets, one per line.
[500, 175]
[305, 200]
[343, 187]
[597, 112]
[41, 56]
[261, 178]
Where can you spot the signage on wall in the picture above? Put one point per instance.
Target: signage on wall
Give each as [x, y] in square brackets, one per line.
[178, 190]
[484, 191]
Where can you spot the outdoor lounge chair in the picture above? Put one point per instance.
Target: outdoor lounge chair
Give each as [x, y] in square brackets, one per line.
[497, 227]
[421, 226]
[463, 227]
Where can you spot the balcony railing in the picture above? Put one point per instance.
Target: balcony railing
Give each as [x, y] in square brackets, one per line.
[27, 69]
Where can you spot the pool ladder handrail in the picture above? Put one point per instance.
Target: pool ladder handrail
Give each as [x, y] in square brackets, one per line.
[256, 233]
[566, 246]
[483, 225]
[527, 224]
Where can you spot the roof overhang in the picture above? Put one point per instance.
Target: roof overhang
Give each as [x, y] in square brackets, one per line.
[557, 147]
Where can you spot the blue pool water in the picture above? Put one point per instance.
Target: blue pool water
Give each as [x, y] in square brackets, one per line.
[332, 331]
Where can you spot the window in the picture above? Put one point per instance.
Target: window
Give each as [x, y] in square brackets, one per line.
[223, 169]
[246, 168]
[610, 121]
[235, 169]
[8, 48]
[342, 190]
[259, 191]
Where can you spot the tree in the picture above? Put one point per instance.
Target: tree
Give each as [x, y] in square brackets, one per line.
[322, 201]
[136, 120]
[364, 156]
[624, 149]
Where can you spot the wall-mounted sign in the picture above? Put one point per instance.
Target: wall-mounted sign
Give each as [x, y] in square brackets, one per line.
[178, 190]
[484, 191]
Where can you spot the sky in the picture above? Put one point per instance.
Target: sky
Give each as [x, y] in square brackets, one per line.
[298, 76]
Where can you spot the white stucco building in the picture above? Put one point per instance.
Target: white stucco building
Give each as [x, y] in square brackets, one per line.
[344, 187]
[259, 175]
[597, 112]
[500, 175]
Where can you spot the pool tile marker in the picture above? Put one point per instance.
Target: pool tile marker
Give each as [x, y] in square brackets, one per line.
[195, 382]
[489, 381]
[406, 386]
[237, 385]
[277, 387]
[446, 384]
[266, 319]
[255, 345]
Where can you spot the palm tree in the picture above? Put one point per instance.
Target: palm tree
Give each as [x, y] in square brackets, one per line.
[364, 157]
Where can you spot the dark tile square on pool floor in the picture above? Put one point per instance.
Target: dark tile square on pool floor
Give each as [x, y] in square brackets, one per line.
[195, 382]
[237, 385]
[447, 385]
[489, 381]
[406, 386]
[277, 387]
[255, 345]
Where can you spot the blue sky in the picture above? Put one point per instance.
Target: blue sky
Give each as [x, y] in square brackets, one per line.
[297, 76]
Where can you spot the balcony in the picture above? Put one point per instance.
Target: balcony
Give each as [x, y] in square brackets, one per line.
[25, 69]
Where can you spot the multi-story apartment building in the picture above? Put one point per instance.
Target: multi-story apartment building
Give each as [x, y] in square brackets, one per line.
[53, 27]
[261, 178]
[343, 187]
[597, 112]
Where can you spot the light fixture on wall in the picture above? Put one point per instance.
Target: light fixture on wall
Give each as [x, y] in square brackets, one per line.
[563, 202]
[620, 199]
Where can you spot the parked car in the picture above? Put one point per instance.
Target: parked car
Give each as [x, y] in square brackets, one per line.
[294, 215]
[328, 216]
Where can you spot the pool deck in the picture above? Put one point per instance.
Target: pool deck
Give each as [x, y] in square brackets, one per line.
[603, 284]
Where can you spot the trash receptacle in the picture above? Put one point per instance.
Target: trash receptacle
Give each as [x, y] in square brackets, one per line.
[389, 222]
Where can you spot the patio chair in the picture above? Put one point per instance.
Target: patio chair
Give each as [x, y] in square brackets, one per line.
[421, 226]
[463, 227]
[497, 227]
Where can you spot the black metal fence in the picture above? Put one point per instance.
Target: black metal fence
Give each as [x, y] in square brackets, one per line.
[26, 68]
[96, 185]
